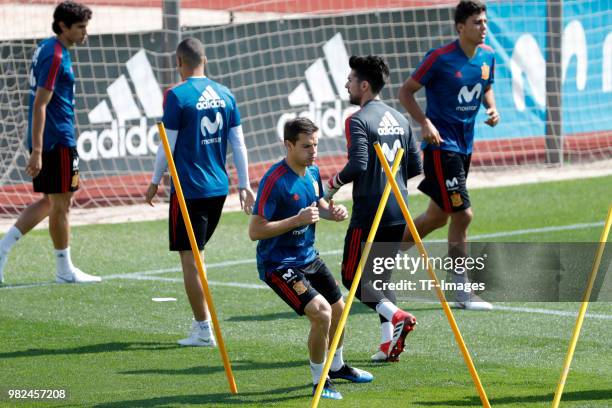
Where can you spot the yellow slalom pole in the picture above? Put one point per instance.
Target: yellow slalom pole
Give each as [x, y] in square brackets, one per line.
[432, 276]
[356, 279]
[198, 258]
[583, 308]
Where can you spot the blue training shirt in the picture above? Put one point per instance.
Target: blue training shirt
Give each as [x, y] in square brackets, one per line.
[203, 112]
[52, 69]
[282, 194]
[455, 87]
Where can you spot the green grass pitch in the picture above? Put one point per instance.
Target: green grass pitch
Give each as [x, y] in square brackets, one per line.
[111, 346]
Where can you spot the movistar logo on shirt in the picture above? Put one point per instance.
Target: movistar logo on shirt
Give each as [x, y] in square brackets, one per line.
[206, 125]
[209, 100]
[389, 125]
[467, 96]
[390, 152]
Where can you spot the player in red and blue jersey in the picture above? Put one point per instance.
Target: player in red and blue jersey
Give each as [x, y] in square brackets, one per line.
[288, 206]
[458, 78]
[200, 117]
[54, 162]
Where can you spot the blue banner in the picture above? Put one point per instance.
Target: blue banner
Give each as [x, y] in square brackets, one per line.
[517, 32]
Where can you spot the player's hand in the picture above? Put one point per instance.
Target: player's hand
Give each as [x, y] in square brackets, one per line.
[150, 194]
[308, 215]
[247, 199]
[331, 187]
[493, 117]
[430, 133]
[34, 164]
[338, 212]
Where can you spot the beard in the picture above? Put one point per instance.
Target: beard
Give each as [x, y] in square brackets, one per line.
[354, 100]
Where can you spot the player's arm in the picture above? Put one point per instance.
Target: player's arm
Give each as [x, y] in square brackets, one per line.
[39, 116]
[261, 228]
[171, 121]
[413, 157]
[246, 195]
[406, 96]
[161, 164]
[357, 158]
[332, 212]
[489, 103]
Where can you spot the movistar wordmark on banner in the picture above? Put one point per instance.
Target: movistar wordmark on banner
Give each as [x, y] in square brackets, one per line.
[520, 73]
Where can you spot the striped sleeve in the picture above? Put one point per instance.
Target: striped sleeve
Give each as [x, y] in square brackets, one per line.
[49, 68]
[266, 201]
[427, 69]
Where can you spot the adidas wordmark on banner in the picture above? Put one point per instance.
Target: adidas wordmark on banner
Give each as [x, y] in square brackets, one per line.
[318, 94]
[123, 138]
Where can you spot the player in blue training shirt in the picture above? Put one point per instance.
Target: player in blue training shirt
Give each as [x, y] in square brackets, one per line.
[375, 122]
[54, 162]
[288, 206]
[457, 77]
[200, 117]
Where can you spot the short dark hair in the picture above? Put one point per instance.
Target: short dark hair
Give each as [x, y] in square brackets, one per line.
[69, 13]
[294, 127]
[467, 8]
[191, 51]
[372, 69]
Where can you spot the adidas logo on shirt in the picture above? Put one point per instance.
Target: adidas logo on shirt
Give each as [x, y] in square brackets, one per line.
[389, 125]
[210, 100]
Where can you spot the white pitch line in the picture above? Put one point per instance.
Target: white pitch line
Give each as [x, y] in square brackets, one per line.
[145, 275]
[136, 276]
[334, 252]
[549, 312]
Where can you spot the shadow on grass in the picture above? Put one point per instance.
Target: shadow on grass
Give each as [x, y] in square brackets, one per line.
[588, 395]
[243, 365]
[358, 308]
[90, 349]
[267, 396]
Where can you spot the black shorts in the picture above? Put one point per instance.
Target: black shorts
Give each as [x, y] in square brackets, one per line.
[445, 179]
[204, 214]
[353, 246]
[60, 171]
[298, 286]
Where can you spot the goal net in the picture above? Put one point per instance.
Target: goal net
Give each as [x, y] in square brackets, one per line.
[281, 59]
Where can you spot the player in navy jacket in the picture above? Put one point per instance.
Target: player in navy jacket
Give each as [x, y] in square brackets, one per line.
[375, 122]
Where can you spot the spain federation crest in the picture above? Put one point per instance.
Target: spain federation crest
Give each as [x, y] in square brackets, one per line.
[299, 287]
[456, 200]
[485, 71]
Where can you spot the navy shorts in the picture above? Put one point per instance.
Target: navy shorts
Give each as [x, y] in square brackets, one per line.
[59, 172]
[445, 179]
[298, 286]
[204, 214]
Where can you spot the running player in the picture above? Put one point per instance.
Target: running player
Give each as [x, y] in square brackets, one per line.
[458, 78]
